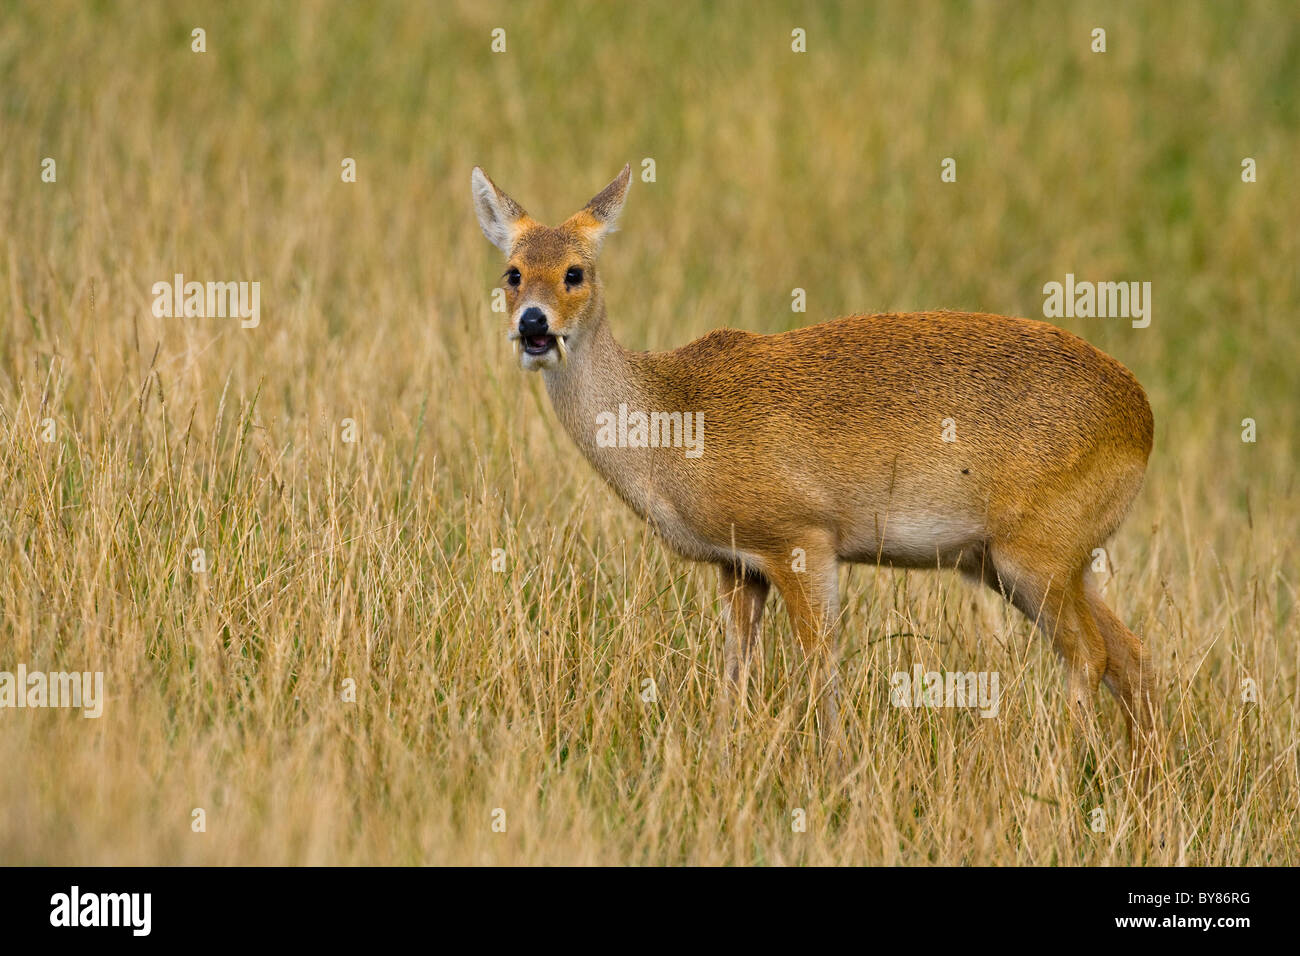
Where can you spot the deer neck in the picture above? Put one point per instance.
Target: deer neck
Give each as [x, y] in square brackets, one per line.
[599, 376]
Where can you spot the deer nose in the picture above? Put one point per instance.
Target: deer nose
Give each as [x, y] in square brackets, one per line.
[532, 322]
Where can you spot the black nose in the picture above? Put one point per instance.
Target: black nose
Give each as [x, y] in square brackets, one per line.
[532, 322]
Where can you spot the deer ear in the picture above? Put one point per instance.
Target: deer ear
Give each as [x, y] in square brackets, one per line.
[600, 216]
[499, 216]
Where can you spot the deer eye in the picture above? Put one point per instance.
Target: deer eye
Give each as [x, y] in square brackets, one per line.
[512, 276]
[573, 276]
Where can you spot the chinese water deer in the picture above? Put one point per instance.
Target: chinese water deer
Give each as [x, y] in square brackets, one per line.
[776, 457]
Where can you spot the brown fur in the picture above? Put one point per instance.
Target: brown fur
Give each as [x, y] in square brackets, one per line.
[828, 441]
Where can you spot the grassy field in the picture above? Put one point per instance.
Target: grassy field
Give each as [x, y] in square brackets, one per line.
[127, 441]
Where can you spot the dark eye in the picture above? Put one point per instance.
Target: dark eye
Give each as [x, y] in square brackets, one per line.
[573, 276]
[512, 276]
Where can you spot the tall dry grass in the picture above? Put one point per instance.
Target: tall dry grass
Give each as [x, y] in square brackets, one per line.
[521, 690]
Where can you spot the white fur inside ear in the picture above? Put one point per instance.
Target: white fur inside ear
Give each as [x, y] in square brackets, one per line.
[494, 216]
[606, 205]
[601, 230]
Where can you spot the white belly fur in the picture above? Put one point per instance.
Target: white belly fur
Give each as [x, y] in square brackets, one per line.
[913, 537]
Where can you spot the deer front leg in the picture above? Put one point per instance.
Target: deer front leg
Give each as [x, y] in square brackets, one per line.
[743, 596]
[808, 581]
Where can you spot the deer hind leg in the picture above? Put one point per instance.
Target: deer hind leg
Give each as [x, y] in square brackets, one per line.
[1129, 674]
[1051, 595]
[812, 599]
[744, 593]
